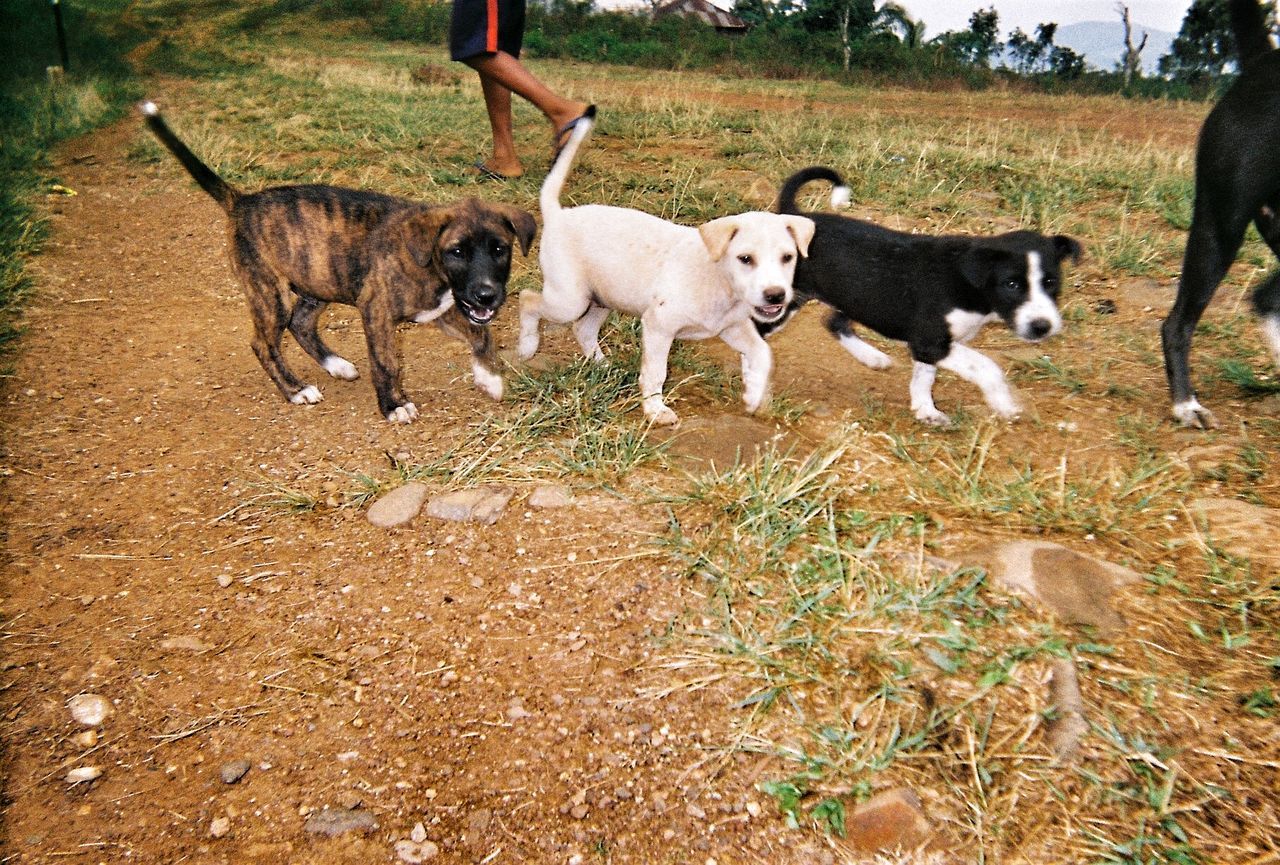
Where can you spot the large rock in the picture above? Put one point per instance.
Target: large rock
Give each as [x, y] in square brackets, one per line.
[893, 820]
[1241, 529]
[398, 506]
[479, 505]
[333, 822]
[1073, 586]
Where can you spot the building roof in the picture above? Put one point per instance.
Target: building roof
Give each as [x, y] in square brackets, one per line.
[702, 10]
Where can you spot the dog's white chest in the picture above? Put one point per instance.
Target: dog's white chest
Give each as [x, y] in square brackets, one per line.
[964, 325]
[427, 316]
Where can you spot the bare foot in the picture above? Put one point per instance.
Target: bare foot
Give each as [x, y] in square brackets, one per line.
[494, 169]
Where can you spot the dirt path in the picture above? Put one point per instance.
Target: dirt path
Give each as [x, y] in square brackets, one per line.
[491, 683]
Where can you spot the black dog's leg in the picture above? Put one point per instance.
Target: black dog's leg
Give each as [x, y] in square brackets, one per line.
[264, 291]
[1211, 247]
[1269, 227]
[303, 323]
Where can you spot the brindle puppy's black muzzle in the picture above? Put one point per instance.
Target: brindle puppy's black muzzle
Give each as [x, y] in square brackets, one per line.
[477, 274]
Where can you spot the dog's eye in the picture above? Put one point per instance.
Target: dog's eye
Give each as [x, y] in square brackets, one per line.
[787, 257]
[500, 249]
[455, 252]
[747, 260]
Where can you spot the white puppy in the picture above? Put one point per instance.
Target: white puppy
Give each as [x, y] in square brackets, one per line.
[682, 282]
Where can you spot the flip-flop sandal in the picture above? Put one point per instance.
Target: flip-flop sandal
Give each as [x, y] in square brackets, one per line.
[562, 134]
[487, 173]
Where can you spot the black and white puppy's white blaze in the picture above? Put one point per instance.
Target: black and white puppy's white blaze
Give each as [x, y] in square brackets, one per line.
[932, 292]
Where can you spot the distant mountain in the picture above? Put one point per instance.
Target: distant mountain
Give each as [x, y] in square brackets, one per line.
[1102, 42]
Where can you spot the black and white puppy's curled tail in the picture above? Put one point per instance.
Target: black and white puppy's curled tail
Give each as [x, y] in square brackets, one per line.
[221, 191]
[787, 197]
[549, 197]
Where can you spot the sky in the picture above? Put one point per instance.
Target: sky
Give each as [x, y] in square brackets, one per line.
[940, 16]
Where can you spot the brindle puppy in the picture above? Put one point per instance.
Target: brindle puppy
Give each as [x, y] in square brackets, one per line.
[393, 259]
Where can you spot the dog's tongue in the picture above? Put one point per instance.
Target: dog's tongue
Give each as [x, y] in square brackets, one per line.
[482, 314]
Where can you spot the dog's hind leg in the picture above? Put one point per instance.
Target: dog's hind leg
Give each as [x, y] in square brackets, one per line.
[484, 360]
[587, 331]
[841, 327]
[266, 302]
[1212, 244]
[1266, 302]
[303, 321]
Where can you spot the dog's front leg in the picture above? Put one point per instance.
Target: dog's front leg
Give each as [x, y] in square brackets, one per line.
[975, 367]
[380, 335]
[757, 364]
[655, 347]
[484, 360]
[922, 378]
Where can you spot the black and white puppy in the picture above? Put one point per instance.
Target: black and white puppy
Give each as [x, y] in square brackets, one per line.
[932, 292]
[1237, 182]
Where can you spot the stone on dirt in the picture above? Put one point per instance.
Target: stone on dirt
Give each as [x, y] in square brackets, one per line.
[89, 709]
[1067, 706]
[195, 645]
[219, 827]
[894, 819]
[550, 496]
[1242, 529]
[398, 506]
[333, 822]
[233, 771]
[1075, 587]
[479, 505]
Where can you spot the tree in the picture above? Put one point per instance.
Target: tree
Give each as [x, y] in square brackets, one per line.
[892, 18]
[1131, 60]
[979, 43]
[1029, 55]
[1204, 48]
[1065, 63]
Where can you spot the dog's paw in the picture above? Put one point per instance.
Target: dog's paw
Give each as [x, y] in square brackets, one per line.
[527, 347]
[1192, 415]
[340, 367]
[1010, 411]
[309, 395]
[663, 416]
[487, 380]
[933, 417]
[406, 413]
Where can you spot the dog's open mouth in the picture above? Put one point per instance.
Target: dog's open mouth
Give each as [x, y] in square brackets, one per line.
[477, 314]
[771, 311]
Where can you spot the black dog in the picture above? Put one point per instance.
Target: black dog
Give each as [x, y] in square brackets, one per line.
[296, 249]
[1237, 182]
[933, 293]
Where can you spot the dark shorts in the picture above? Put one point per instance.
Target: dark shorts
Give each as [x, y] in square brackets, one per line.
[486, 27]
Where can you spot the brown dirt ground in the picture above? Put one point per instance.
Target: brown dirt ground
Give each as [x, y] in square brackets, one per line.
[348, 664]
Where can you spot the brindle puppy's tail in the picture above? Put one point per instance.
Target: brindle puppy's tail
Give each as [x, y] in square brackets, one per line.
[1249, 27]
[787, 196]
[219, 189]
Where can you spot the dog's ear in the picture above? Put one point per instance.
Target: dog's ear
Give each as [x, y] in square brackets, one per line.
[801, 230]
[977, 262]
[522, 223]
[421, 234]
[1067, 247]
[717, 235]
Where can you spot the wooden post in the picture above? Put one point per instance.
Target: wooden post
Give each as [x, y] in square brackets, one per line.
[62, 35]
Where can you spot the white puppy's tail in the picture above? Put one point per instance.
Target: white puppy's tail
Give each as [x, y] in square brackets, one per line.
[549, 198]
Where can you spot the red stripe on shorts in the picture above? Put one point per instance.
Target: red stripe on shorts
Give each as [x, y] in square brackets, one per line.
[491, 37]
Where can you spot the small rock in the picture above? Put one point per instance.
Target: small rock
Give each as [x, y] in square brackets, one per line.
[579, 812]
[415, 852]
[694, 811]
[398, 506]
[235, 770]
[333, 822]
[1068, 723]
[82, 774]
[86, 739]
[89, 709]
[893, 819]
[219, 827]
[185, 644]
[550, 496]
[1242, 529]
[224, 580]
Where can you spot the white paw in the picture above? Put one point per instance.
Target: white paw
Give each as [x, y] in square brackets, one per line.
[662, 416]
[488, 381]
[309, 395]
[879, 360]
[406, 413]
[1008, 410]
[527, 347]
[340, 367]
[932, 417]
[1194, 416]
